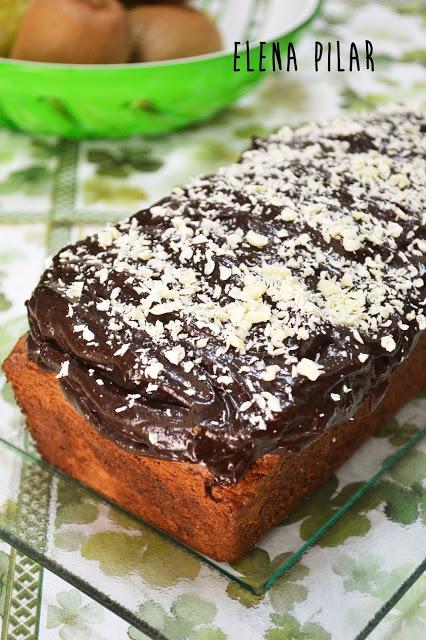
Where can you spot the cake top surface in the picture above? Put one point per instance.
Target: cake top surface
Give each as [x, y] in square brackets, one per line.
[254, 308]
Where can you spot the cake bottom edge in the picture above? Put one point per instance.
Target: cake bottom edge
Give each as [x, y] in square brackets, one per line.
[222, 521]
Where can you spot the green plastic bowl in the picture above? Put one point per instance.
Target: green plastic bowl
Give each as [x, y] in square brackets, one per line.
[109, 101]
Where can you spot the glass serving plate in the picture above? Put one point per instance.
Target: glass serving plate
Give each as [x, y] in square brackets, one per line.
[332, 544]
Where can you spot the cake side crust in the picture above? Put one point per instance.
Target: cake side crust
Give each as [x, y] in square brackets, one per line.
[222, 521]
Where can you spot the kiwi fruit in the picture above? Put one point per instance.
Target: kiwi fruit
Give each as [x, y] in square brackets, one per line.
[11, 12]
[74, 31]
[167, 32]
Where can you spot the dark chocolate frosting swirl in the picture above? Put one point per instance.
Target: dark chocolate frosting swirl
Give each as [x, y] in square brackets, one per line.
[256, 307]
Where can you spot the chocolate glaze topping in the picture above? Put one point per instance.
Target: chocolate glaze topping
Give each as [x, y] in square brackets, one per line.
[256, 307]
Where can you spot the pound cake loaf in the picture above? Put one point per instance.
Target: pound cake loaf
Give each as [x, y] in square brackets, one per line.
[208, 362]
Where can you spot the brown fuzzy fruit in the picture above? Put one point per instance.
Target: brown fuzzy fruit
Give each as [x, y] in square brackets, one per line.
[11, 14]
[167, 32]
[75, 32]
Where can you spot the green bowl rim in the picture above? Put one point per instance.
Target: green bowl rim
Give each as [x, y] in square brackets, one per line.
[309, 14]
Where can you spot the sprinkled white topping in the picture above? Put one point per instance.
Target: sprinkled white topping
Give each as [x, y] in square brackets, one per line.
[309, 369]
[75, 289]
[270, 372]
[351, 244]
[154, 369]
[224, 272]
[103, 306]
[363, 357]
[288, 215]
[153, 438]
[158, 211]
[394, 229]
[256, 239]
[122, 350]
[102, 275]
[63, 371]
[388, 343]
[357, 336]
[87, 335]
[272, 401]
[107, 237]
[175, 355]
[267, 402]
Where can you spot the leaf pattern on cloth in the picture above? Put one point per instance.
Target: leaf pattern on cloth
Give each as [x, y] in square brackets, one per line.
[256, 568]
[397, 433]
[75, 505]
[325, 502]
[32, 180]
[408, 618]
[120, 162]
[366, 575]
[10, 331]
[415, 55]
[71, 617]
[190, 618]
[44, 148]
[402, 496]
[289, 628]
[8, 513]
[121, 554]
[103, 190]
[212, 153]
[5, 303]
[7, 393]
[355, 101]
[134, 548]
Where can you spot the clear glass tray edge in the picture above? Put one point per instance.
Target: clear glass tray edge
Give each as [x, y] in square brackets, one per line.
[386, 466]
[296, 555]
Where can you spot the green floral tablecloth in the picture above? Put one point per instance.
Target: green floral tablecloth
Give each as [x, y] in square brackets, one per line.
[53, 191]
